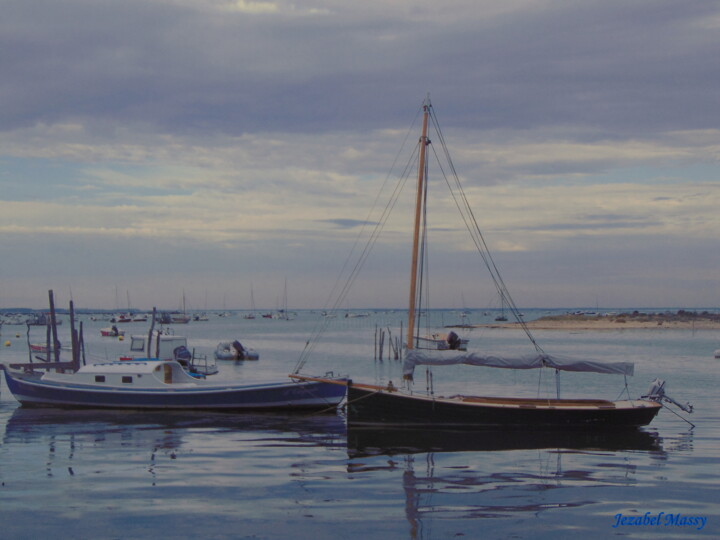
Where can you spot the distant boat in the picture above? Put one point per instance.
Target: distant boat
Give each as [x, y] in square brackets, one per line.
[180, 318]
[251, 315]
[174, 318]
[717, 353]
[40, 319]
[112, 331]
[502, 317]
[234, 350]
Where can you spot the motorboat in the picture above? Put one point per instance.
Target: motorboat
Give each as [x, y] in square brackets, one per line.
[163, 384]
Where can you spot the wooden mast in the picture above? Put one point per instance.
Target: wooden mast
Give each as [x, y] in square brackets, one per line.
[416, 234]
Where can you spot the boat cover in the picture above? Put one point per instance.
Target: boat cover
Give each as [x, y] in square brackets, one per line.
[527, 361]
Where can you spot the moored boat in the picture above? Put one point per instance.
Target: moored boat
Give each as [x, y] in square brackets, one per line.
[112, 331]
[234, 350]
[152, 383]
[159, 384]
[403, 406]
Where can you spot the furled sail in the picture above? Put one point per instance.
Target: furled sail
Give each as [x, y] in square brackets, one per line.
[527, 361]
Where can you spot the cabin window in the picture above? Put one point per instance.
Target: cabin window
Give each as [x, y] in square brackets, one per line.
[137, 343]
[99, 378]
[127, 379]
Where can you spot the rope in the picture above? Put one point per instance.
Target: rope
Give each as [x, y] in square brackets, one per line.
[341, 294]
[476, 235]
[676, 414]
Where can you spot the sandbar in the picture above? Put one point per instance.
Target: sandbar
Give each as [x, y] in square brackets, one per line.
[681, 320]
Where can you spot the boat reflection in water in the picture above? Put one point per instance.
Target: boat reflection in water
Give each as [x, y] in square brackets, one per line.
[169, 429]
[375, 440]
[452, 475]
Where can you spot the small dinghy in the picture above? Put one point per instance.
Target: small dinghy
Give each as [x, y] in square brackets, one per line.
[234, 350]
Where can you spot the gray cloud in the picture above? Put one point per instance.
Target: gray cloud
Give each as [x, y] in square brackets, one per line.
[610, 67]
[137, 134]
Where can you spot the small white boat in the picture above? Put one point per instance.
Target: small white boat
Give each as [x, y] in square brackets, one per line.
[113, 331]
[234, 350]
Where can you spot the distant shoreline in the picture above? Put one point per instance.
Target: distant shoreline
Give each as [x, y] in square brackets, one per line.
[682, 320]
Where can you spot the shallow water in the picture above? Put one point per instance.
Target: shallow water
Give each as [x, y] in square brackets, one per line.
[103, 474]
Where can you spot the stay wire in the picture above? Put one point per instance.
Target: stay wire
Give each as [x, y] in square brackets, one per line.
[340, 296]
[473, 227]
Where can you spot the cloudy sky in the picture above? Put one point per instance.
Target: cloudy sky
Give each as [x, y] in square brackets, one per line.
[154, 147]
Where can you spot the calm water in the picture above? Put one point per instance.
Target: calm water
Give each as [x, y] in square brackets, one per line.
[95, 474]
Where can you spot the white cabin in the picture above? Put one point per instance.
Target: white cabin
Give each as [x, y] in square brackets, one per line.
[151, 374]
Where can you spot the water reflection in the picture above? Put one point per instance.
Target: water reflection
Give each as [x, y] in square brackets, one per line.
[156, 435]
[368, 440]
[168, 429]
[488, 474]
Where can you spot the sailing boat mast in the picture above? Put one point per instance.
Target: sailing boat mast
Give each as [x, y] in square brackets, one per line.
[416, 234]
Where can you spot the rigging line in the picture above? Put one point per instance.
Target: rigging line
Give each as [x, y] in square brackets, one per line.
[342, 295]
[372, 210]
[478, 237]
[322, 325]
[376, 232]
[380, 224]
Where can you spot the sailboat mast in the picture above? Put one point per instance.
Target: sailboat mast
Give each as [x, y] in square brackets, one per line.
[416, 233]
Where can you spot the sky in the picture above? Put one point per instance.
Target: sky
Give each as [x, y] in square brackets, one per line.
[219, 149]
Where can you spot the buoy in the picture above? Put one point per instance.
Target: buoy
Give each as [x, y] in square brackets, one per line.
[120, 338]
[17, 335]
[7, 343]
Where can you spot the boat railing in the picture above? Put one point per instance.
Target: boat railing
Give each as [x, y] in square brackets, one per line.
[199, 364]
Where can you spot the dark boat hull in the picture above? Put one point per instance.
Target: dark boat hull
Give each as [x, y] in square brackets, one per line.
[377, 406]
[288, 396]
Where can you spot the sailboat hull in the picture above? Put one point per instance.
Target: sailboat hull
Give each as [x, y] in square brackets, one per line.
[368, 405]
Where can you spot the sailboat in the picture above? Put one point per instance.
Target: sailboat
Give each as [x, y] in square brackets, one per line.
[181, 318]
[502, 317]
[251, 315]
[391, 405]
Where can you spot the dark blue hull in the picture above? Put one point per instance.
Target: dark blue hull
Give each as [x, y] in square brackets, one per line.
[374, 406]
[231, 397]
